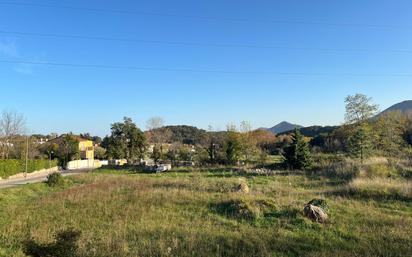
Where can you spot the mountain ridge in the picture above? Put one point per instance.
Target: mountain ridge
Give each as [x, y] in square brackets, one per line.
[283, 127]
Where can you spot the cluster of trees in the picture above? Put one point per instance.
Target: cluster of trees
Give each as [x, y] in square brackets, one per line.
[187, 144]
[366, 132]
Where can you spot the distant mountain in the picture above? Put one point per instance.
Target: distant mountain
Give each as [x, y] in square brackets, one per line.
[404, 107]
[283, 127]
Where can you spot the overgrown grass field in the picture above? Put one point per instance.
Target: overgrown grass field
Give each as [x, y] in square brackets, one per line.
[199, 213]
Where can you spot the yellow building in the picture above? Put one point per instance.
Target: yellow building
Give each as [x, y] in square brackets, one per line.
[86, 148]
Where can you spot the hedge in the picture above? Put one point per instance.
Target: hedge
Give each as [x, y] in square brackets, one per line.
[11, 167]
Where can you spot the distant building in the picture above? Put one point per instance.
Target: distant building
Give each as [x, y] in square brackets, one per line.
[86, 147]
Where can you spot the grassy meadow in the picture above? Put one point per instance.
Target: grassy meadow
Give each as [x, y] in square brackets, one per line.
[199, 213]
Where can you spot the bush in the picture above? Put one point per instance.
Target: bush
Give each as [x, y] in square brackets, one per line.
[379, 170]
[12, 167]
[54, 179]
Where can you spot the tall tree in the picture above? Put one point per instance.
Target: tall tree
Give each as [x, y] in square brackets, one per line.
[359, 111]
[158, 134]
[249, 148]
[67, 149]
[297, 155]
[232, 145]
[359, 108]
[126, 141]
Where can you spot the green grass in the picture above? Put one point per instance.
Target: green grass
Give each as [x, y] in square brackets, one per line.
[198, 214]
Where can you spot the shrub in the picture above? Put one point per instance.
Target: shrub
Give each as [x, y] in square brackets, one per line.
[379, 170]
[12, 167]
[54, 179]
[65, 245]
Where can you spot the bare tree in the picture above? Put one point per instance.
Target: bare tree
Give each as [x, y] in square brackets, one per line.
[359, 108]
[159, 135]
[155, 123]
[12, 124]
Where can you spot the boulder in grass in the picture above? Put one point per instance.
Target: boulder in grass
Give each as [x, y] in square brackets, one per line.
[315, 213]
[243, 188]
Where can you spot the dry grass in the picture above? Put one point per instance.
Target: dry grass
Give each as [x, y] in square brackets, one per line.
[198, 214]
[384, 188]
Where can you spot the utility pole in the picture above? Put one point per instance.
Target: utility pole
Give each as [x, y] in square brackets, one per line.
[27, 156]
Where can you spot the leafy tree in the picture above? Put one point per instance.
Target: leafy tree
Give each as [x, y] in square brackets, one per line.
[99, 153]
[389, 130]
[359, 111]
[50, 150]
[297, 155]
[232, 147]
[179, 152]
[156, 154]
[249, 149]
[126, 141]
[68, 149]
[359, 144]
[359, 108]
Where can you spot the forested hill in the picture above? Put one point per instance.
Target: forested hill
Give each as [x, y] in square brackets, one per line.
[313, 131]
[184, 134]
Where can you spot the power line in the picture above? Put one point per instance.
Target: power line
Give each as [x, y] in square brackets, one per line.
[147, 41]
[124, 67]
[292, 22]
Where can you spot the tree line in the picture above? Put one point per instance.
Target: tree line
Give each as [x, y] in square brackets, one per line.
[364, 133]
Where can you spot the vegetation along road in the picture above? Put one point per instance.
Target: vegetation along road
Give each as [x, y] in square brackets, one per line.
[23, 181]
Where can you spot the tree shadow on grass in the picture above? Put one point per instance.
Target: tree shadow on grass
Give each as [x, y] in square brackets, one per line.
[366, 195]
[65, 245]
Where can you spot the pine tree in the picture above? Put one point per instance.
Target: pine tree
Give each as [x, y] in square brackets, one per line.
[297, 155]
[360, 145]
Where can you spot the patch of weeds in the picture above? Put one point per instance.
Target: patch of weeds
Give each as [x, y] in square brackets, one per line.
[237, 209]
[260, 211]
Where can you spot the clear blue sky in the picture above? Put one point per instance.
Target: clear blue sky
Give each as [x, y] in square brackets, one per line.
[354, 44]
